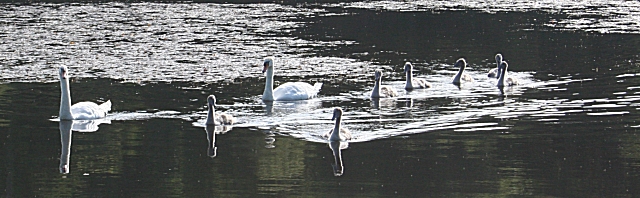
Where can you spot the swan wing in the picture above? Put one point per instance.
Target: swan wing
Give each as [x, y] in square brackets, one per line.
[493, 73]
[296, 91]
[467, 77]
[224, 119]
[327, 134]
[386, 91]
[420, 83]
[511, 81]
[345, 134]
[89, 110]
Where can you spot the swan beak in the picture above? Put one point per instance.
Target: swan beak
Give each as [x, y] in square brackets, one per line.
[334, 117]
[266, 66]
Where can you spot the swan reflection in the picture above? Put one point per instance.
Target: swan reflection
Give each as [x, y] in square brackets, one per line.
[336, 147]
[66, 127]
[212, 130]
[276, 108]
[376, 103]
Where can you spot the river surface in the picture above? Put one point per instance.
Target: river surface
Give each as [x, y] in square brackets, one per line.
[569, 129]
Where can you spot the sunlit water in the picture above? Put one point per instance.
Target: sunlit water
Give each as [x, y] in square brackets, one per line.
[568, 129]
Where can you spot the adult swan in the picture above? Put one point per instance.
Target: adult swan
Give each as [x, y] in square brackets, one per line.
[288, 91]
[81, 110]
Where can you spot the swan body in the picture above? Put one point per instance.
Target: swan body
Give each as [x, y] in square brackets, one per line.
[461, 76]
[505, 80]
[81, 110]
[338, 133]
[288, 91]
[382, 91]
[214, 118]
[495, 72]
[414, 83]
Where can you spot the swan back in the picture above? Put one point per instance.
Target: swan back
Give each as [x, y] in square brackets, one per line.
[214, 118]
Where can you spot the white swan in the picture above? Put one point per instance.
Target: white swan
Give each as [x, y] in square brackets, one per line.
[287, 91]
[338, 133]
[414, 83]
[81, 110]
[214, 118]
[504, 79]
[461, 76]
[382, 91]
[495, 72]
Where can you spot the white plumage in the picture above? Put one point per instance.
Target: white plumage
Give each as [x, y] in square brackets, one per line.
[81, 110]
[288, 91]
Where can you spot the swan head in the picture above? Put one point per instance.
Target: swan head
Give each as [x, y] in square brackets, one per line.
[337, 113]
[268, 62]
[408, 67]
[63, 72]
[378, 74]
[498, 58]
[461, 63]
[211, 100]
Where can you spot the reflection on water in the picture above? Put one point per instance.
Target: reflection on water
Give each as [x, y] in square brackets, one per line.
[212, 130]
[569, 127]
[65, 140]
[337, 147]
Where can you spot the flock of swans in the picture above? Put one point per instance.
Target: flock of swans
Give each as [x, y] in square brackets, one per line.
[289, 91]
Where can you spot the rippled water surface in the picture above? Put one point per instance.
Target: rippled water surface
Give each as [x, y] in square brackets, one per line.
[569, 129]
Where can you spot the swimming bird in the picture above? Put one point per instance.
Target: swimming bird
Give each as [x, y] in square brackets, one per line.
[287, 91]
[461, 76]
[338, 133]
[382, 91]
[214, 118]
[414, 83]
[495, 72]
[81, 110]
[506, 80]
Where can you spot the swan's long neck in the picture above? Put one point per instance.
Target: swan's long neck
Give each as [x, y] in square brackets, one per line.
[409, 84]
[498, 61]
[503, 72]
[335, 136]
[65, 140]
[268, 86]
[210, 115]
[458, 76]
[376, 89]
[65, 100]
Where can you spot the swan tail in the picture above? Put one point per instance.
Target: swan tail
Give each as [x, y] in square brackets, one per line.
[106, 106]
[317, 86]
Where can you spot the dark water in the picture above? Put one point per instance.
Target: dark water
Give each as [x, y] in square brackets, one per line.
[569, 130]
